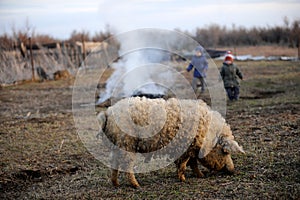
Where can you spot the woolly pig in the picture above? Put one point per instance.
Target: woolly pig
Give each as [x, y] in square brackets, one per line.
[140, 125]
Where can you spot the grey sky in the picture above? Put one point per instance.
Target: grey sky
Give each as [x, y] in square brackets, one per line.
[59, 18]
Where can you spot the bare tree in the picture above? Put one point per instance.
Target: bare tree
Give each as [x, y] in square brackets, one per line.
[6, 42]
[22, 35]
[295, 35]
[79, 36]
[103, 35]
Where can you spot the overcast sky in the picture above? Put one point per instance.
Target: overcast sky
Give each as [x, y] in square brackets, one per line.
[59, 18]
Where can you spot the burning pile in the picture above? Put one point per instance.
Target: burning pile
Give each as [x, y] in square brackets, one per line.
[138, 74]
[148, 92]
[145, 67]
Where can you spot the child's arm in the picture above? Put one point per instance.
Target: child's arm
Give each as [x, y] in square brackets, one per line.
[190, 67]
[239, 73]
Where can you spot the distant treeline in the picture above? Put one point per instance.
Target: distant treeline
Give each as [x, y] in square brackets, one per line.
[216, 36]
[211, 36]
[13, 41]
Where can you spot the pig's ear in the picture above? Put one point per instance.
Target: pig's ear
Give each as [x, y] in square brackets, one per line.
[232, 146]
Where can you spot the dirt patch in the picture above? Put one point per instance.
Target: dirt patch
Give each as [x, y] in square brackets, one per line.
[42, 157]
[263, 94]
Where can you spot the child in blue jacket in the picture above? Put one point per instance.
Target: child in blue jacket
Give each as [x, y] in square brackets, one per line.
[200, 65]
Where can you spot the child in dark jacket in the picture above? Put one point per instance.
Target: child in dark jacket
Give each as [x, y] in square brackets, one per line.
[230, 73]
[200, 65]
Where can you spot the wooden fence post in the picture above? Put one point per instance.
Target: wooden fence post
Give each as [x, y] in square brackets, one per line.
[298, 48]
[83, 50]
[31, 58]
[23, 49]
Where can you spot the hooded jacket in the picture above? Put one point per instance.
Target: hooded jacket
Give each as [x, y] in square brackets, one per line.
[230, 74]
[199, 63]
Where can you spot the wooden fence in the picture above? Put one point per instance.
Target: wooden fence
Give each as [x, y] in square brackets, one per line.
[70, 55]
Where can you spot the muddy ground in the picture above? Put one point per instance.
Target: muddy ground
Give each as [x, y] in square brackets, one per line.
[42, 157]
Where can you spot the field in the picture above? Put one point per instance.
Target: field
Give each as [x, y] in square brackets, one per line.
[42, 157]
[264, 50]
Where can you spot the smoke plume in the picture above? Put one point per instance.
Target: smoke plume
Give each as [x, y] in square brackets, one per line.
[139, 70]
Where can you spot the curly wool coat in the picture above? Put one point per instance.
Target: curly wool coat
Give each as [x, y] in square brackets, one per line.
[141, 125]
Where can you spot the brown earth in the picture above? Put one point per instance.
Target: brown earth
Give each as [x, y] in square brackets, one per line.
[42, 157]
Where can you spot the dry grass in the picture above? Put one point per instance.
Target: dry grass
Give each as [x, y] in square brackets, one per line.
[264, 50]
[41, 156]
